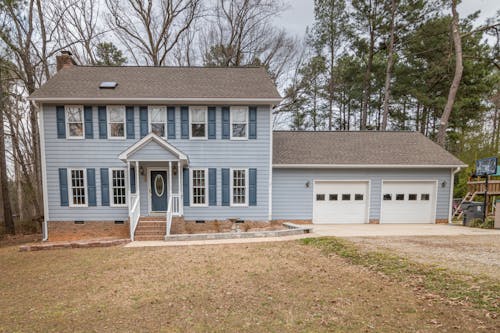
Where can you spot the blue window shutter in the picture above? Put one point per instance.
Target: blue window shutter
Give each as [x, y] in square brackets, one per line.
[211, 122]
[143, 114]
[132, 180]
[91, 187]
[104, 187]
[184, 122]
[225, 187]
[63, 186]
[252, 184]
[171, 122]
[225, 122]
[103, 125]
[185, 186]
[89, 126]
[61, 123]
[212, 187]
[130, 122]
[252, 126]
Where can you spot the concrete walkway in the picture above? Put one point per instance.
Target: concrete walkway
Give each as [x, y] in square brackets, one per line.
[372, 230]
[341, 230]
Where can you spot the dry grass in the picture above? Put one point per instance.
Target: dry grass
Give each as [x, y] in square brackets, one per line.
[263, 287]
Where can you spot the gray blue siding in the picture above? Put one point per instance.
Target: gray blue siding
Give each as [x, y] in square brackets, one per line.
[98, 153]
[293, 200]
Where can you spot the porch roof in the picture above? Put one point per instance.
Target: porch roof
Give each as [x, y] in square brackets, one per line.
[152, 148]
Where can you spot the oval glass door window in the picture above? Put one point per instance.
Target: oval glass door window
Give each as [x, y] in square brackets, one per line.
[159, 185]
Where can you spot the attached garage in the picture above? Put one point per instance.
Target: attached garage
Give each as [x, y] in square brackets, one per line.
[361, 177]
[408, 202]
[340, 202]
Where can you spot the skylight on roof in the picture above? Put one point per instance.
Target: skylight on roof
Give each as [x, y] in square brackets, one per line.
[108, 85]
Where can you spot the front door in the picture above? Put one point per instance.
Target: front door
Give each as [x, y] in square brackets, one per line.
[158, 186]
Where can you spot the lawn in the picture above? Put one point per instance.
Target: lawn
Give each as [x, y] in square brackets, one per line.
[285, 286]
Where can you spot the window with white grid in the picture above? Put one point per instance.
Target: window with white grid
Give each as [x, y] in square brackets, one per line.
[74, 121]
[77, 182]
[198, 120]
[239, 187]
[116, 122]
[158, 120]
[239, 122]
[118, 188]
[199, 187]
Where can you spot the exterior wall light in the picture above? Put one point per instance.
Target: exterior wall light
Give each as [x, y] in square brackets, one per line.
[308, 184]
[443, 184]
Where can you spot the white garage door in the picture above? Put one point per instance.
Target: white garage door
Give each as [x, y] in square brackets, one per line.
[340, 202]
[408, 202]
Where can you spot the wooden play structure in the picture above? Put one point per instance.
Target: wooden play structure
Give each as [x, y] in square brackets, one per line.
[476, 189]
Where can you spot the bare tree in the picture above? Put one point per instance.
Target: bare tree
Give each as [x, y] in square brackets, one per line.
[150, 29]
[457, 42]
[4, 181]
[240, 33]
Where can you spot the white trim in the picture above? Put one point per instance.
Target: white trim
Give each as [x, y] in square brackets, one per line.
[70, 188]
[368, 193]
[108, 122]
[452, 188]
[202, 108]
[151, 136]
[237, 138]
[66, 123]
[270, 182]
[110, 182]
[148, 171]
[191, 192]
[157, 100]
[363, 166]
[434, 208]
[43, 161]
[231, 203]
[150, 118]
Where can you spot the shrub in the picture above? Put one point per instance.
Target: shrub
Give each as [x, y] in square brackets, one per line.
[478, 223]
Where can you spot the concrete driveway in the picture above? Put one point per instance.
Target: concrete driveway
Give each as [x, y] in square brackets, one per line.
[368, 230]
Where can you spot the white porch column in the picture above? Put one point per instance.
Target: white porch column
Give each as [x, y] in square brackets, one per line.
[179, 188]
[127, 182]
[169, 183]
[137, 180]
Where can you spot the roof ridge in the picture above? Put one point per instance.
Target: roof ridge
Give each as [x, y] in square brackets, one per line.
[180, 67]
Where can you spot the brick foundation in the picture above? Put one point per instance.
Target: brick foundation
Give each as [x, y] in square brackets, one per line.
[374, 221]
[69, 231]
[294, 221]
[181, 226]
[441, 221]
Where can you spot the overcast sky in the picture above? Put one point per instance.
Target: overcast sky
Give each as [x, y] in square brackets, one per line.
[300, 13]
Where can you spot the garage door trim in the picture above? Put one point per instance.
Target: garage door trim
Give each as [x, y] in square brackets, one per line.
[434, 208]
[368, 192]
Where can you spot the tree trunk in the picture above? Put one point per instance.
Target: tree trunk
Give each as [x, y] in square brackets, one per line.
[4, 181]
[368, 74]
[443, 124]
[388, 70]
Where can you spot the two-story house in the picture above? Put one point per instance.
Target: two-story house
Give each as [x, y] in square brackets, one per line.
[125, 144]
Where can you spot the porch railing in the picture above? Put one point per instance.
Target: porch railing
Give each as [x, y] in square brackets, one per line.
[176, 204]
[134, 214]
[169, 215]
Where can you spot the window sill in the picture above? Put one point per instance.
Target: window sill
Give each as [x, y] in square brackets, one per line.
[78, 206]
[75, 138]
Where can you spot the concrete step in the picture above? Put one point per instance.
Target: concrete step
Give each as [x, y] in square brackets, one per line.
[149, 237]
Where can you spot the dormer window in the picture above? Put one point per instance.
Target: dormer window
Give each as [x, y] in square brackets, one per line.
[74, 121]
[116, 122]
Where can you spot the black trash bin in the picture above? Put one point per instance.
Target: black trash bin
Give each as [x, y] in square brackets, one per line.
[472, 210]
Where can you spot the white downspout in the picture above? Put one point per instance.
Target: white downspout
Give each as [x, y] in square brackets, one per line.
[452, 186]
[41, 131]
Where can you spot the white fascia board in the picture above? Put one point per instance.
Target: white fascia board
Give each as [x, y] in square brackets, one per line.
[155, 100]
[148, 138]
[364, 166]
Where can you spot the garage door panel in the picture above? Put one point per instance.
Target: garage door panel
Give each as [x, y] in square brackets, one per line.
[340, 202]
[408, 202]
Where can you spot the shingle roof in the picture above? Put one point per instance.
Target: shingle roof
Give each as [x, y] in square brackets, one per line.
[358, 148]
[160, 82]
